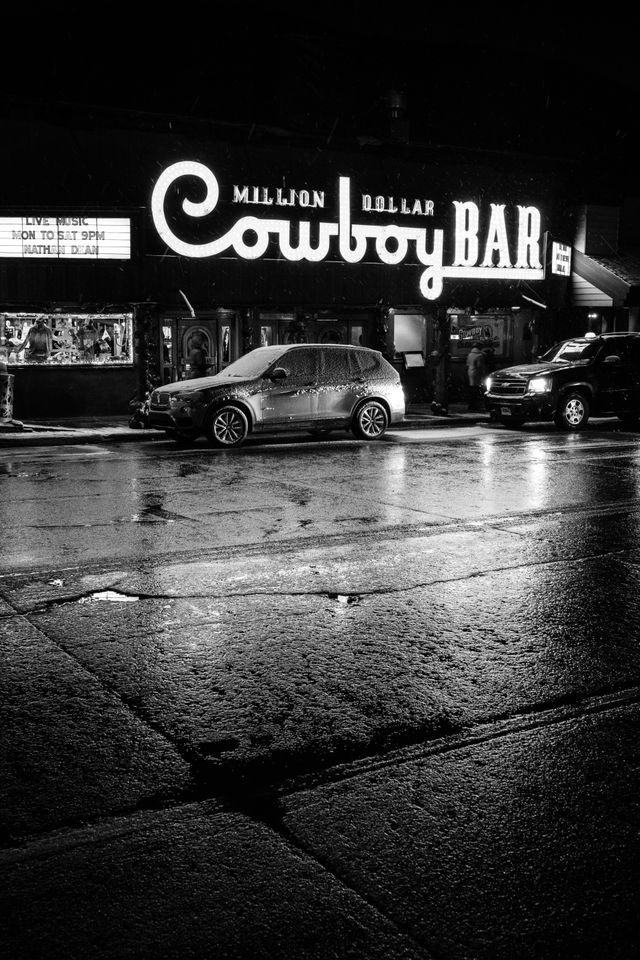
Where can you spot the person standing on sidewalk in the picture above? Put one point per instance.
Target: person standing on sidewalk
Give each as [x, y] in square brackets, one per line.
[476, 371]
[198, 361]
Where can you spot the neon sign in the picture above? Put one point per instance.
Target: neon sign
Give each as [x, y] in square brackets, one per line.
[486, 258]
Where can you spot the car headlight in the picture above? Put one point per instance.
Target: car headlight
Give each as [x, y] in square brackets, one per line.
[188, 397]
[488, 383]
[539, 385]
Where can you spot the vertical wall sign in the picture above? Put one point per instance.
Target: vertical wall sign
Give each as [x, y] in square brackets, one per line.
[560, 259]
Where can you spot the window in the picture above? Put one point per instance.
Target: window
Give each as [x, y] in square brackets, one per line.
[356, 334]
[338, 365]
[570, 351]
[225, 344]
[167, 345]
[301, 365]
[409, 333]
[69, 338]
[616, 348]
[369, 363]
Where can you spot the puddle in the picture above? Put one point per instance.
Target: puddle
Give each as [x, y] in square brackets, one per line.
[111, 595]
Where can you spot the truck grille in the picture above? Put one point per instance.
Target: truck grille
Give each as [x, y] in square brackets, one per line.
[509, 387]
[160, 400]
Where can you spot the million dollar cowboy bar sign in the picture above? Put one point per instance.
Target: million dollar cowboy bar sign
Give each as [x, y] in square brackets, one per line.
[497, 243]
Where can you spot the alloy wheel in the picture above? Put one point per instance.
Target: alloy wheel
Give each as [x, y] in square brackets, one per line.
[574, 412]
[228, 427]
[370, 421]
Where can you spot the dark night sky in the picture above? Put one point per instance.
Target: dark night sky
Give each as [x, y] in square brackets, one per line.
[526, 77]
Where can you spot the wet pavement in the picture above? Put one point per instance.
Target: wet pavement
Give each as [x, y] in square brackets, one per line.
[342, 701]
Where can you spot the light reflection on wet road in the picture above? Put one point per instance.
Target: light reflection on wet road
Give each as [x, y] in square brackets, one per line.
[424, 652]
[157, 500]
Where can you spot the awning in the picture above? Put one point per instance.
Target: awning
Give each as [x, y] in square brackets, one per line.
[617, 277]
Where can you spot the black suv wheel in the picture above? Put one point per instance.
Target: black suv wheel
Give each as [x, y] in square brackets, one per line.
[572, 412]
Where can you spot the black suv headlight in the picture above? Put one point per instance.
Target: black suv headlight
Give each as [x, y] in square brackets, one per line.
[539, 385]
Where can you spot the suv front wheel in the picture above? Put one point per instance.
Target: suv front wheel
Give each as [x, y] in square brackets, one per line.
[227, 426]
[572, 412]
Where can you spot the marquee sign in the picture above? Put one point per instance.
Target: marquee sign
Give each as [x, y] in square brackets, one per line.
[65, 238]
[480, 244]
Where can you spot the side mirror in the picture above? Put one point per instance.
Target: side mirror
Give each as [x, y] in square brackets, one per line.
[278, 373]
[614, 358]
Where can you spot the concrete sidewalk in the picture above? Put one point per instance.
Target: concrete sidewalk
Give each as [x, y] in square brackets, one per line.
[17, 433]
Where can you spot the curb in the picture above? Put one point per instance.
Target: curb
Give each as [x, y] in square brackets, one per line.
[20, 434]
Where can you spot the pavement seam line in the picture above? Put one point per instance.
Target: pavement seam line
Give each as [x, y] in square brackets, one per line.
[186, 753]
[330, 594]
[493, 729]
[290, 545]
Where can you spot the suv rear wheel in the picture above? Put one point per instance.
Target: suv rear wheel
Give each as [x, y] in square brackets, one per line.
[572, 412]
[227, 426]
[370, 421]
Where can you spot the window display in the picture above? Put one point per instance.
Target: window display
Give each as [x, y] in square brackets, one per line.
[491, 330]
[77, 338]
[409, 333]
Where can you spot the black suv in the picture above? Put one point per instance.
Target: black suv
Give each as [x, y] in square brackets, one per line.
[590, 375]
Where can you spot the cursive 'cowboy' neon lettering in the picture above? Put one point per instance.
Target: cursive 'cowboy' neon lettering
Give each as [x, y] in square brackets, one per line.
[250, 236]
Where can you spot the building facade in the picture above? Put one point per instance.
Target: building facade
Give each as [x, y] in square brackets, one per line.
[127, 236]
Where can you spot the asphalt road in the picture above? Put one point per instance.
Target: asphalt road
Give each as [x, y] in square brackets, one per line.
[322, 699]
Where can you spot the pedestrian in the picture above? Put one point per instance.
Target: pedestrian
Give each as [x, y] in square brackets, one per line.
[198, 363]
[476, 370]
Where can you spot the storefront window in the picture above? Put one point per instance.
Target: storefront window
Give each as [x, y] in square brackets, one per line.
[225, 350]
[167, 345]
[68, 338]
[409, 333]
[356, 334]
[490, 330]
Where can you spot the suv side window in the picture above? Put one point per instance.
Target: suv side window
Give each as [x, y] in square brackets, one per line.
[301, 365]
[616, 348]
[369, 363]
[341, 366]
[335, 366]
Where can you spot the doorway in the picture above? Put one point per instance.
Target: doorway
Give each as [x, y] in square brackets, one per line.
[218, 333]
